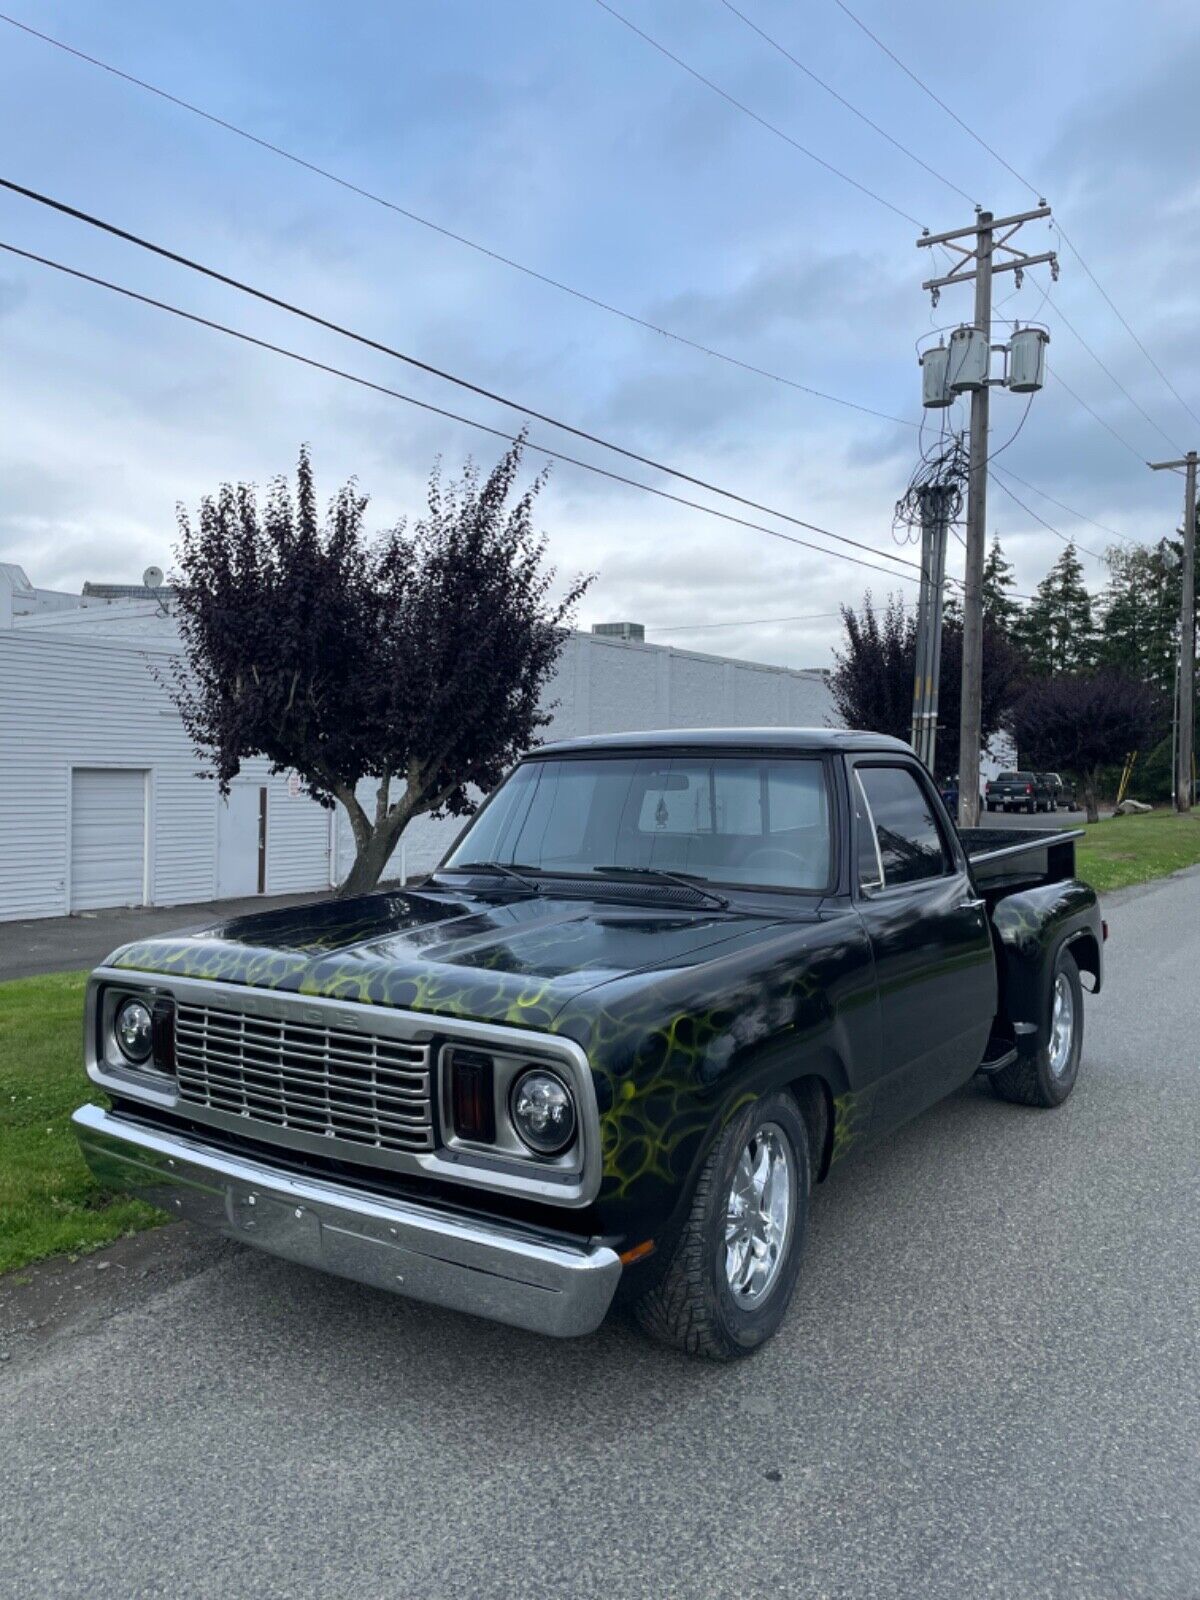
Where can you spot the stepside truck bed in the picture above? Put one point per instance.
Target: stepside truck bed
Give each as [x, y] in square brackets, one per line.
[1006, 859]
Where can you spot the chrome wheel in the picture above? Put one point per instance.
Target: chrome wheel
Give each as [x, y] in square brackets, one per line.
[1062, 1025]
[759, 1215]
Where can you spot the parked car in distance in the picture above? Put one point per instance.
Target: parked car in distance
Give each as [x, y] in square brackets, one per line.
[660, 984]
[1062, 791]
[1018, 791]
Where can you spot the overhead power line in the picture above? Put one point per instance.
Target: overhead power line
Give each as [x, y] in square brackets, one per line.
[1049, 526]
[754, 116]
[447, 233]
[921, 84]
[1112, 377]
[1037, 193]
[425, 366]
[1062, 506]
[565, 288]
[1080, 401]
[453, 416]
[741, 622]
[849, 105]
[533, 273]
[1103, 292]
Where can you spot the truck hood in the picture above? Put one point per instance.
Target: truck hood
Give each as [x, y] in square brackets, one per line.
[517, 961]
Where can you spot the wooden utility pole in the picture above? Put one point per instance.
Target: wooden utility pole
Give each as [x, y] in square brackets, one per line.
[988, 238]
[935, 500]
[969, 736]
[1184, 745]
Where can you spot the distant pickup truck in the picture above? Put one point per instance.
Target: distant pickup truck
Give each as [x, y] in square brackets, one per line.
[661, 983]
[1019, 791]
[1062, 791]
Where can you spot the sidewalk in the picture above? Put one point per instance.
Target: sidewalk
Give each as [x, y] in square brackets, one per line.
[62, 944]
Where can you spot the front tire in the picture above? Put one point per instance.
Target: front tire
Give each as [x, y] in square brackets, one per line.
[1047, 1077]
[729, 1279]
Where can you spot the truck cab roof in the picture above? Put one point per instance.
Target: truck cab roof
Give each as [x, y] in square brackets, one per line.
[734, 740]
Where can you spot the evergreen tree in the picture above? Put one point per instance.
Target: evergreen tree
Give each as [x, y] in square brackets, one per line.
[1000, 609]
[1140, 629]
[1057, 629]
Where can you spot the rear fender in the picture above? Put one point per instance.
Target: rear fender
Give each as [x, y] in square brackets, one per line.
[1031, 928]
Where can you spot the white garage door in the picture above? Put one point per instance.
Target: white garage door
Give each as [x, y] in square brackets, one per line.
[108, 838]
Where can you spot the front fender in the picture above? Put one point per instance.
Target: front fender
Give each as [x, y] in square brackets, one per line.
[1031, 928]
[676, 1054]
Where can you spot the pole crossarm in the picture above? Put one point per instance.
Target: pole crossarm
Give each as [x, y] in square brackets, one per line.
[1019, 265]
[983, 224]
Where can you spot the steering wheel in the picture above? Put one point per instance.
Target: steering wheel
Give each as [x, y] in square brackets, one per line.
[771, 855]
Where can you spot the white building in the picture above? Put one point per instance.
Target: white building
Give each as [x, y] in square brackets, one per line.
[103, 802]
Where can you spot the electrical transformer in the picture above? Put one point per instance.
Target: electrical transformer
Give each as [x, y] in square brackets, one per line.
[970, 359]
[1027, 359]
[935, 390]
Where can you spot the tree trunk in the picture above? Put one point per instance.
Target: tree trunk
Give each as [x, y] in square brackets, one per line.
[369, 863]
[1090, 784]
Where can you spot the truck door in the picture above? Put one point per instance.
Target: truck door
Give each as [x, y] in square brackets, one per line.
[929, 933]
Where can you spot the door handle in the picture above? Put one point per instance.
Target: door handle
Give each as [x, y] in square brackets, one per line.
[971, 905]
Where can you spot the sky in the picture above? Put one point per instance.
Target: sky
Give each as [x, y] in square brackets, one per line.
[550, 133]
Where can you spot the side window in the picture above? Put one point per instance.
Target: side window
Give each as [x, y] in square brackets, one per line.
[870, 871]
[906, 829]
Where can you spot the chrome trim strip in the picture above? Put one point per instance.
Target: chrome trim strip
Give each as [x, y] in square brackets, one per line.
[505, 1272]
[503, 1172]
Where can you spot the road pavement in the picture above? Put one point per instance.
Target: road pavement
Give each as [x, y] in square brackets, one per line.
[988, 1385]
[64, 944]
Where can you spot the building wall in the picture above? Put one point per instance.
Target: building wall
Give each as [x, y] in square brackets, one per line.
[70, 696]
[68, 700]
[610, 686]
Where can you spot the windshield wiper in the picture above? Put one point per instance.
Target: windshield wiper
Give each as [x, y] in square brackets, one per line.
[686, 880]
[500, 868]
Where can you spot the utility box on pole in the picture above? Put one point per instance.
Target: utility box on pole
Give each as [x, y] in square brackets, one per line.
[1027, 360]
[935, 378]
[970, 358]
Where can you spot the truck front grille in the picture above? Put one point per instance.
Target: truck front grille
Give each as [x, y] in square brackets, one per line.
[361, 1087]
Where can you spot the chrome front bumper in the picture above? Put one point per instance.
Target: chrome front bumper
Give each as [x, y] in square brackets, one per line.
[494, 1270]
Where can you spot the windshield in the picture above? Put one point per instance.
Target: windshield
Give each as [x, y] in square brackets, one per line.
[725, 819]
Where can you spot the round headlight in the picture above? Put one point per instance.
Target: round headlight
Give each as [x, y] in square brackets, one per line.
[134, 1031]
[543, 1112]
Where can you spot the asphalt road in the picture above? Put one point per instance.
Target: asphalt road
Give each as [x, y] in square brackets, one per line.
[62, 944]
[989, 1385]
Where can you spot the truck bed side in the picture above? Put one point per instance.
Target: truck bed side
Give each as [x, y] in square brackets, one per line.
[1036, 906]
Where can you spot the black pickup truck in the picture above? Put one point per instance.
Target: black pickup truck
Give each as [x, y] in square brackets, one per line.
[1019, 791]
[660, 984]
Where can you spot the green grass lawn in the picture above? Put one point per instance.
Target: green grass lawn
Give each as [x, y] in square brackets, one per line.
[49, 1202]
[1120, 851]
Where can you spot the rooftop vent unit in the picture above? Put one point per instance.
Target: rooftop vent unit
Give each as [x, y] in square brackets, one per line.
[631, 632]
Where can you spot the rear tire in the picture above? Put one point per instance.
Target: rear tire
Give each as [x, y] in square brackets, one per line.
[1047, 1078]
[706, 1302]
